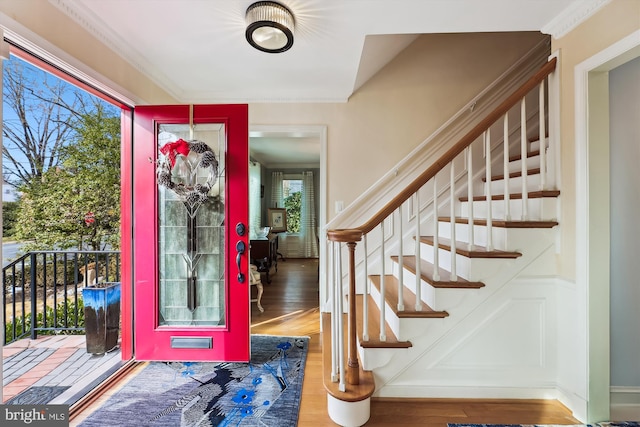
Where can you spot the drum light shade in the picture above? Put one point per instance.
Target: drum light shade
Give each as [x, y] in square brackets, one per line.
[270, 27]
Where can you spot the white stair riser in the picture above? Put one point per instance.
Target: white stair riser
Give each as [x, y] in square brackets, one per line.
[403, 328]
[472, 269]
[515, 184]
[544, 208]
[428, 292]
[532, 162]
[444, 259]
[437, 298]
[506, 239]
[535, 145]
[499, 234]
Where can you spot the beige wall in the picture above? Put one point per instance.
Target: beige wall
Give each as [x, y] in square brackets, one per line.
[50, 24]
[612, 23]
[401, 105]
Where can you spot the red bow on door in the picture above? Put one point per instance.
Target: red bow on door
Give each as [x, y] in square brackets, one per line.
[172, 149]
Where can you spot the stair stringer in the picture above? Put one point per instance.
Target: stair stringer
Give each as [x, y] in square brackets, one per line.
[424, 334]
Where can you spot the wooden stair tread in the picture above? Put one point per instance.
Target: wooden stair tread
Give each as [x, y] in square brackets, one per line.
[353, 393]
[519, 156]
[503, 223]
[374, 327]
[408, 299]
[516, 174]
[515, 196]
[462, 248]
[427, 269]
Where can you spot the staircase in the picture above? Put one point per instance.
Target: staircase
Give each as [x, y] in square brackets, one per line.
[437, 261]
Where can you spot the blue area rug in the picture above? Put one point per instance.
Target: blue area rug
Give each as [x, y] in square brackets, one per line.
[264, 392]
[608, 424]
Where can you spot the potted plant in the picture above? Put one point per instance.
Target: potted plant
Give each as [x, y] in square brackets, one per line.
[101, 316]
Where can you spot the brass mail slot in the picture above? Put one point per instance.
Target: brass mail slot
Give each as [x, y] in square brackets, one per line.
[191, 342]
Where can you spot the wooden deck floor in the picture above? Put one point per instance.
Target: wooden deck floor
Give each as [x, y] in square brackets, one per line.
[291, 308]
[59, 361]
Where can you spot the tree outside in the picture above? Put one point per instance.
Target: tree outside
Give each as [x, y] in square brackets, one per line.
[293, 205]
[62, 151]
[292, 192]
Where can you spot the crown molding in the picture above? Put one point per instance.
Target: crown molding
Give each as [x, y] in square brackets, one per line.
[43, 49]
[94, 26]
[575, 14]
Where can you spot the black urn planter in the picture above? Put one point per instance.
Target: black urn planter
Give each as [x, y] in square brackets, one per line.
[101, 316]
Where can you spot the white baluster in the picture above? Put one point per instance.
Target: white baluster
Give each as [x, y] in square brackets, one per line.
[542, 139]
[383, 336]
[400, 264]
[334, 314]
[487, 145]
[505, 168]
[452, 197]
[365, 298]
[523, 152]
[436, 255]
[342, 386]
[418, 305]
[470, 195]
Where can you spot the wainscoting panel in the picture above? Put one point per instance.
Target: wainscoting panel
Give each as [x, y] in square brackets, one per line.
[513, 336]
[505, 348]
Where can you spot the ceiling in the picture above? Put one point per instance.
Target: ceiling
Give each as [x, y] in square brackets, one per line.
[197, 51]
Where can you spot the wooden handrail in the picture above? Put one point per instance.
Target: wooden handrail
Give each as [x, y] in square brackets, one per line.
[452, 153]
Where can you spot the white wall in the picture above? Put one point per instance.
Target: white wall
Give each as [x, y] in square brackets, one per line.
[624, 110]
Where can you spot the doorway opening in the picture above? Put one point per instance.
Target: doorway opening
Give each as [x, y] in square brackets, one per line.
[292, 150]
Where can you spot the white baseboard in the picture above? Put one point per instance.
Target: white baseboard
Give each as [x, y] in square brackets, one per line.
[625, 403]
[468, 392]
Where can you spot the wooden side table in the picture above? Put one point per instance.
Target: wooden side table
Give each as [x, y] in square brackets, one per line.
[263, 254]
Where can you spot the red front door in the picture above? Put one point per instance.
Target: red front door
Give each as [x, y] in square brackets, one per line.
[190, 233]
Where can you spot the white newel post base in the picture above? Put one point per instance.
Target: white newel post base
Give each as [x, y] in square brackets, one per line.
[348, 414]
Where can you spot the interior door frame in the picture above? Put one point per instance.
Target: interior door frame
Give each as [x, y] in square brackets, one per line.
[591, 82]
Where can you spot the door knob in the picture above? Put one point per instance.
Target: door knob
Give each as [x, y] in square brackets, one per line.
[240, 248]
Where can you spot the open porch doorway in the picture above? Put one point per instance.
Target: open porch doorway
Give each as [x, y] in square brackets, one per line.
[292, 150]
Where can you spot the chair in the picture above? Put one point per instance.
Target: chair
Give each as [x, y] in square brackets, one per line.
[255, 281]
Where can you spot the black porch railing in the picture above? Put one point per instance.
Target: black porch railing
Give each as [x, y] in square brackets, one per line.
[43, 290]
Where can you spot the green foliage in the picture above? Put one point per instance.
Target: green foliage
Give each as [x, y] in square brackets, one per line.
[9, 217]
[23, 326]
[293, 204]
[53, 209]
[65, 317]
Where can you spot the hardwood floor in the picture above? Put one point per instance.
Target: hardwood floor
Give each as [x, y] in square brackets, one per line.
[291, 308]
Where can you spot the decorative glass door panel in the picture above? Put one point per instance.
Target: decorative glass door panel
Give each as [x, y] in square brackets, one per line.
[192, 301]
[191, 226]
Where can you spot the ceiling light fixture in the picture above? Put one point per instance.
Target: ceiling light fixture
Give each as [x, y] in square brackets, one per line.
[269, 27]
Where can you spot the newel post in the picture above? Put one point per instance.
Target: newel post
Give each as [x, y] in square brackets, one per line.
[350, 237]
